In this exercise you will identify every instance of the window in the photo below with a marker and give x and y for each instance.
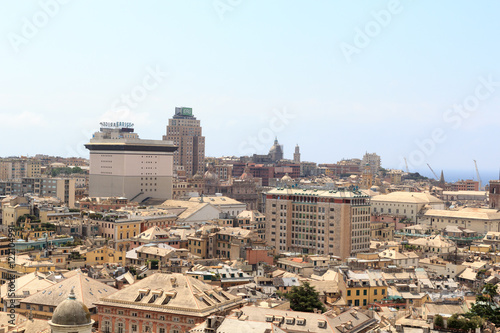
(374, 291)
(134, 328)
(120, 328)
(383, 291)
(356, 302)
(357, 292)
(134, 314)
(106, 327)
(348, 293)
(365, 292)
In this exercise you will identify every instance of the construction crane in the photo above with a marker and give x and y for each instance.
(478, 177)
(435, 175)
(406, 163)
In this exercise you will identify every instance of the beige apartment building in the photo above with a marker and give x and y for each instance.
(17, 168)
(318, 222)
(62, 188)
(406, 204)
(184, 131)
(122, 165)
(481, 220)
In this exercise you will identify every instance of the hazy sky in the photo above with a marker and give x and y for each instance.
(336, 77)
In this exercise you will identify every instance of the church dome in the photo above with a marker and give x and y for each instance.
(276, 151)
(275, 148)
(197, 176)
(286, 178)
(71, 312)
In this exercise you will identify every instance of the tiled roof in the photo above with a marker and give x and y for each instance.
(407, 197)
(87, 290)
(467, 213)
(172, 293)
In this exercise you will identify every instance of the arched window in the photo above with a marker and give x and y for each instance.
(106, 326)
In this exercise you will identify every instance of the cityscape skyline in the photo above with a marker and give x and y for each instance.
(402, 89)
(233, 166)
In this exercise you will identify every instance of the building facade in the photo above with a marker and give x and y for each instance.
(163, 303)
(480, 220)
(318, 222)
(62, 188)
(373, 160)
(407, 204)
(494, 194)
(360, 288)
(184, 131)
(122, 165)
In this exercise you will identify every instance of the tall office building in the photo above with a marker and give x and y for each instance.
(318, 222)
(184, 131)
(122, 165)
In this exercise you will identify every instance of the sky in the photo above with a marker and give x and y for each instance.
(405, 79)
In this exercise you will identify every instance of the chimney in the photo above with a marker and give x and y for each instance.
(211, 322)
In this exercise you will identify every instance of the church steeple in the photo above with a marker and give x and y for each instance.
(441, 179)
(296, 155)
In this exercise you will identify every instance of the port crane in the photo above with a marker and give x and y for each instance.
(435, 175)
(478, 177)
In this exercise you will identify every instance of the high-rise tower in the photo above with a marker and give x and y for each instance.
(185, 131)
(122, 165)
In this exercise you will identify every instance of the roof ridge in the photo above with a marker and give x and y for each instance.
(81, 286)
(191, 289)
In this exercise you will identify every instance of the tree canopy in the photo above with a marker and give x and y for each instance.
(304, 298)
(485, 306)
(66, 170)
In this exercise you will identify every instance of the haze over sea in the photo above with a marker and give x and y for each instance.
(454, 175)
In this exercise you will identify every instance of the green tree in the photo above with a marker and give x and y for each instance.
(438, 321)
(304, 298)
(77, 170)
(485, 306)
